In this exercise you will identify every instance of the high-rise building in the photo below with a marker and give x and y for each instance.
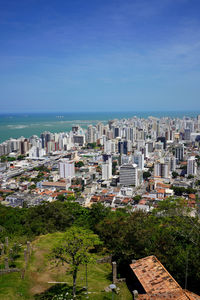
(179, 152)
(91, 134)
(172, 164)
(117, 132)
(159, 145)
(187, 134)
(66, 168)
(107, 167)
(79, 139)
(198, 122)
(128, 175)
(100, 128)
(163, 140)
(46, 137)
(36, 152)
(123, 147)
(150, 146)
(23, 146)
(191, 166)
(109, 146)
(138, 159)
(161, 169)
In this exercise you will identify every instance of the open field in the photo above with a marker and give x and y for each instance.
(41, 271)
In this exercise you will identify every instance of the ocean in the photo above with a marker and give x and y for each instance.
(28, 124)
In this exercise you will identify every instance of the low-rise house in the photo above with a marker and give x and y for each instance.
(54, 185)
(21, 200)
(145, 208)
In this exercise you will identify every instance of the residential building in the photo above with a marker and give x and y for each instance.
(128, 175)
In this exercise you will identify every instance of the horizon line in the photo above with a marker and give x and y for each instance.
(97, 111)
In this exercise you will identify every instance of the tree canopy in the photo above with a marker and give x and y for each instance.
(74, 249)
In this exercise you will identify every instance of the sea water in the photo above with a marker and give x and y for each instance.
(28, 124)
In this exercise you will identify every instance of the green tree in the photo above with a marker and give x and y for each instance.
(21, 157)
(74, 250)
(114, 167)
(61, 197)
(3, 158)
(11, 158)
(91, 145)
(79, 164)
(97, 213)
(71, 198)
(137, 198)
(174, 174)
(190, 176)
(32, 187)
(146, 175)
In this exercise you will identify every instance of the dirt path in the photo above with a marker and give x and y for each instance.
(42, 271)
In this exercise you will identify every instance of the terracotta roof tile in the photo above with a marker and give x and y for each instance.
(192, 296)
(160, 184)
(161, 191)
(157, 282)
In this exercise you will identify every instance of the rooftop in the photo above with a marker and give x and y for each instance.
(157, 282)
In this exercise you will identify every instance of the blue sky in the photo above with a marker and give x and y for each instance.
(99, 55)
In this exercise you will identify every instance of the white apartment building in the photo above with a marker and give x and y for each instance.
(107, 168)
(191, 166)
(66, 168)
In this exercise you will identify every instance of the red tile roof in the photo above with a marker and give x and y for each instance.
(6, 191)
(163, 185)
(142, 202)
(160, 191)
(157, 282)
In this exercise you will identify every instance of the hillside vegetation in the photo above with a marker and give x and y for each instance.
(168, 232)
(41, 272)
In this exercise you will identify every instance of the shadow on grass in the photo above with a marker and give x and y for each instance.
(60, 292)
(109, 276)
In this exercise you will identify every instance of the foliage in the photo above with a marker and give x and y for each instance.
(137, 198)
(91, 145)
(71, 198)
(74, 250)
(174, 174)
(44, 218)
(184, 167)
(114, 167)
(146, 175)
(5, 158)
(97, 213)
(198, 160)
(168, 232)
(179, 191)
(61, 197)
(21, 157)
(190, 176)
(42, 169)
(32, 187)
(79, 164)
(172, 207)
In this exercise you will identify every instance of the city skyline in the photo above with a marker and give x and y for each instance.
(99, 56)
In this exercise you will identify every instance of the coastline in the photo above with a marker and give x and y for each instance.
(15, 125)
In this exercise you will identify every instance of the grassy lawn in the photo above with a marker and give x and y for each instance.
(41, 272)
